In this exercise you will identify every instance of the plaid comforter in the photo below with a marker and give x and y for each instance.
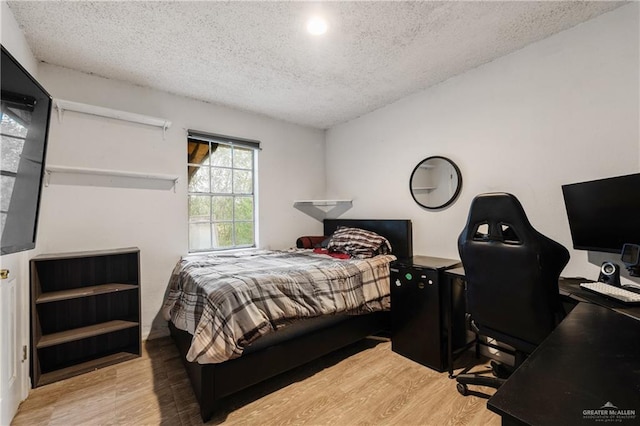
(227, 301)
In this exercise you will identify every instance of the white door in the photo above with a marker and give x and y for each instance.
(11, 368)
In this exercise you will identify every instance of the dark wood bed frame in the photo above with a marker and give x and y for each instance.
(286, 350)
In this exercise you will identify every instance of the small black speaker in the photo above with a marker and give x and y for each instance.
(631, 258)
(609, 274)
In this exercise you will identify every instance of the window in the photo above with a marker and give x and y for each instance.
(222, 182)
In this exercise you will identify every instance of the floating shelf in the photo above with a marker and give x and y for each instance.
(323, 202)
(323, 209)
(62, 105)
(109, 178)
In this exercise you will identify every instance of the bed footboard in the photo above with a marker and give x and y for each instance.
(213, 382)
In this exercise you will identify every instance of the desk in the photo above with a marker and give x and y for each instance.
(591, 359)
(570, 289)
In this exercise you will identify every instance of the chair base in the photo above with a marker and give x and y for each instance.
(475, 379)
(501, 373)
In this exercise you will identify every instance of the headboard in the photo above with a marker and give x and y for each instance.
(397, 231)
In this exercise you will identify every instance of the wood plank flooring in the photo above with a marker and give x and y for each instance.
(364, 384)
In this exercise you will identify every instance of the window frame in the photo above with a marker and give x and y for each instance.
(232, 143)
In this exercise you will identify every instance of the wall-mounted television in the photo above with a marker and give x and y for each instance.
(26, 108)
(604, 214)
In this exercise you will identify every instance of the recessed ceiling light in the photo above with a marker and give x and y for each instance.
(317, 25)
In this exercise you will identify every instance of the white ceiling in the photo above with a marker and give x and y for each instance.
(257, 56)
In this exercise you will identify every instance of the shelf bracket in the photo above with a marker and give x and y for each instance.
(323, 209)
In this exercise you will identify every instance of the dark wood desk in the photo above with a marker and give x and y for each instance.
(590, 360)
(570, 288)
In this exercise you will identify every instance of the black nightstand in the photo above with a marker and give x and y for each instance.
(421, 314)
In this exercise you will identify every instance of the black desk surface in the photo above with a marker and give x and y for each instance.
(591, 359)
(570, 287)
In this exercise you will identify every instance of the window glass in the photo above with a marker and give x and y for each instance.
(243, 158)
(242, 182)
(221, 195)
(244, 208)
(244, 232)
(198, 153)
(199, 179)
(200, 236)
(221, 180)
(223, 236)
(222, 208)
(199, 208)
(221, 156)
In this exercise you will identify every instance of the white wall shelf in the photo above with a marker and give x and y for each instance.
(114, 178)
(323, 209)
(62, 105)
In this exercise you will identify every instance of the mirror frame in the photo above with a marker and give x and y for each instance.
(453, 198)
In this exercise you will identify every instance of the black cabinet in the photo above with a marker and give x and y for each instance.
(421, 310)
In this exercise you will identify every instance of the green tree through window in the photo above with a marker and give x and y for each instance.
(221, 173)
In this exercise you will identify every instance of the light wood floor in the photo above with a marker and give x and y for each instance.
(364, 384)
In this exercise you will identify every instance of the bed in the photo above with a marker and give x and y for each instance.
(295, 344)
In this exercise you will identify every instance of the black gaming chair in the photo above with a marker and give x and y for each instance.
(512, 274)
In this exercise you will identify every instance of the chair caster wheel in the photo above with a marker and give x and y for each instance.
(462, 389)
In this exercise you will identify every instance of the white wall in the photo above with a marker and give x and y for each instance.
(74, 218)
(562, 110)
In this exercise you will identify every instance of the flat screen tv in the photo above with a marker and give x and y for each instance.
(26, 109)
(604, 214)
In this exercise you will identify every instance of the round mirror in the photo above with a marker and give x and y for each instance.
(435, 182)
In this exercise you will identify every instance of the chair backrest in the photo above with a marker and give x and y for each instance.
(512, 272)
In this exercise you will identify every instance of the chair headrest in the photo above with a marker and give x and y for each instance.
(502, 213)
(497, 206)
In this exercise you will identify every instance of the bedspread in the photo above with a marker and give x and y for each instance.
(227, 301)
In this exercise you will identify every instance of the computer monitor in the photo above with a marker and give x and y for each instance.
(604, 214)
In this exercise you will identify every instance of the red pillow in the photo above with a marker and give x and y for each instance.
(309, 242)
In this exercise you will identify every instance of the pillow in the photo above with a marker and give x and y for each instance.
(308, 242)
(358, 242)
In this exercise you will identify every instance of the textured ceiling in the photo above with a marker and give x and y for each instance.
(257, 56)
